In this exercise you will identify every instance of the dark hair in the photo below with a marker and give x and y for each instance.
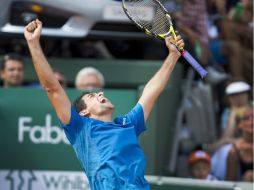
(79, 104)
(11, 56)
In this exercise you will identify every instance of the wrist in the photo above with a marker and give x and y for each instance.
(33, 43)
(174, 55)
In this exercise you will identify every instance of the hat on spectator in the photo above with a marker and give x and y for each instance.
(199, 156)
(237, 87)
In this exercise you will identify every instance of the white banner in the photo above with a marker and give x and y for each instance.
(42, 180)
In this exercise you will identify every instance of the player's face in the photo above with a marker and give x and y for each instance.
(97, 103)
(13, 73)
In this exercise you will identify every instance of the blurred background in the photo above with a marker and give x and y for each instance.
(200, 133)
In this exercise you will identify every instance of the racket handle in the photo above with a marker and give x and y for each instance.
(201, 71)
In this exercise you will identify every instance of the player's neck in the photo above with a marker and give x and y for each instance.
(105, 117)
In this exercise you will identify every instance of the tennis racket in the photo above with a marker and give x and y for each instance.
(153, 18)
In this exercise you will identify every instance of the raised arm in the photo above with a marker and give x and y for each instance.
(55, 92)
(158, 82)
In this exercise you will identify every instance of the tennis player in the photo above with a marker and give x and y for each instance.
(107, 149)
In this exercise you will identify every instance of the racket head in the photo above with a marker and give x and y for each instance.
(155, 20)
(158, 25)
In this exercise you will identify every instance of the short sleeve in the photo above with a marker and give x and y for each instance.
(136, 116)
(73, 126)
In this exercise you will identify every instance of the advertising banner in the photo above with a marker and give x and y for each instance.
(42, 180)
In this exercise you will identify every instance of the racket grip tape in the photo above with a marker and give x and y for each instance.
(201, 71)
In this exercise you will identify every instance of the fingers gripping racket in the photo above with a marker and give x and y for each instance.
(153, 18)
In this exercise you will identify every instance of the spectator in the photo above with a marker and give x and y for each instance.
(89, 78)
(234, 161)
(236, 27)
(193, 22)
(238, 96)
(199, 165)
(12, 70)
(240, 158)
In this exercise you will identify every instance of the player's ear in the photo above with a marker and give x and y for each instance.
(85, 113)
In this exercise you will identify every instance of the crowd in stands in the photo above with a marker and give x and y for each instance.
(220, 35)
(12, 75)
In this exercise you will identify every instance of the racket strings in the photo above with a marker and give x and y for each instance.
(158, 24)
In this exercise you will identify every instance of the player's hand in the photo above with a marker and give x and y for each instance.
(171, 43)
(33, 31)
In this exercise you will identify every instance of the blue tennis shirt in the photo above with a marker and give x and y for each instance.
(109, 152)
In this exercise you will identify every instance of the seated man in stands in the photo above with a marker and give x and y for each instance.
(12, 70)
(89, 78)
